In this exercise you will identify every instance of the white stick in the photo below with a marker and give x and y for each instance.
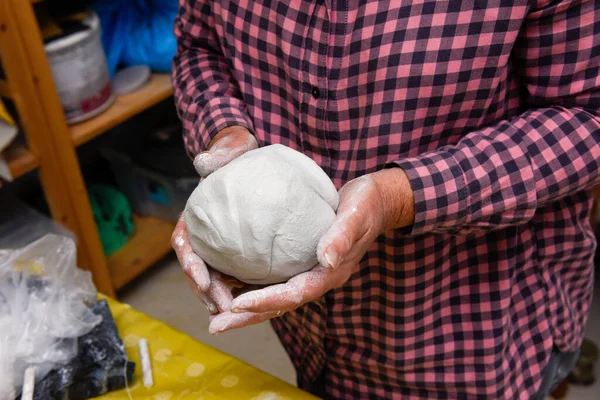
(146, 366)
(28, 384)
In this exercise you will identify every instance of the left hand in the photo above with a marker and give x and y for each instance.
(369, 206)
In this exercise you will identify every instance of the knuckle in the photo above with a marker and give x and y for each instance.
(186, 268)
(177, 240)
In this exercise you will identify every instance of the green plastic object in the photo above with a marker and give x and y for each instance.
(113, 216)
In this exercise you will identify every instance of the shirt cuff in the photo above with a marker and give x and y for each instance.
(440, 192)
(218, 114)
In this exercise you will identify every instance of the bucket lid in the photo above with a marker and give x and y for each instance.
(131, 79)
(91, 20)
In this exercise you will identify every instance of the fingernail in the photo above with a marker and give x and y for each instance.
(244, 302)
(217, 327)
(331, 258)
(211, 308)
(238, 305)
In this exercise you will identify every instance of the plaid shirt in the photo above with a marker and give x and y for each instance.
(492, 109)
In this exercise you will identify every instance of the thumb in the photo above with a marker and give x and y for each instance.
(337, 242)
(206, 163)
(351, 224)
(227, 145)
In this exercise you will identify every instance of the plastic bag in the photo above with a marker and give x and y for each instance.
(21, 224)
(44, 301)
(138, 32)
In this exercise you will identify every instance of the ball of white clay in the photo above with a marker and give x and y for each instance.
(260, 217)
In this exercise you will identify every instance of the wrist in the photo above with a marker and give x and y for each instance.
(396, 196)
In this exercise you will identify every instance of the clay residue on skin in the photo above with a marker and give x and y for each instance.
(222, 152)
(227, 320)
(190, 259)
(284, 297)
(179, 241)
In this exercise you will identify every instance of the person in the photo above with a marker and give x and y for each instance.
(464, 139)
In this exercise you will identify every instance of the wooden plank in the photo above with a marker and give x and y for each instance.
(157, 89)
(48, 136)
(20, 160)
(150, 242)
(4, 90)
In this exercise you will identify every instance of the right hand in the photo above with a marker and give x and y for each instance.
(210, 286)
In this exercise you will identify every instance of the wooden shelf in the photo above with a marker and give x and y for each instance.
(150, 242)
(157, 89)
(4, 90)
(20, 160)
(51, 146)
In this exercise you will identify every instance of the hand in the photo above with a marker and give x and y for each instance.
(227, 145)
(369, 205)
(211, 287)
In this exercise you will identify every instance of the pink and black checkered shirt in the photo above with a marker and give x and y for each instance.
(492, 109)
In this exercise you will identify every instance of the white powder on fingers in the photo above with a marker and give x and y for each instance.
(206, 163)
(260, 217)
(179, 241)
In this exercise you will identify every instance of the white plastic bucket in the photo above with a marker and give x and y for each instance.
(80, 72)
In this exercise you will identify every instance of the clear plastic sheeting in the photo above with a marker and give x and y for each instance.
(21, 224)
(44, 301)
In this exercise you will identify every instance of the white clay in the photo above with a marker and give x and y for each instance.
(260, 217)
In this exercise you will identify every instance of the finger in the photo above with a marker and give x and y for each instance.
(206, 163)
(287, 296)
(192, 265)
(348, 228)
(224, 151)
(208, 303)
(218, 297)
(339, 240)
(232, 282)
(220, 292)
(227, 321)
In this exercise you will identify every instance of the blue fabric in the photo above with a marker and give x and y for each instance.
(138, 32)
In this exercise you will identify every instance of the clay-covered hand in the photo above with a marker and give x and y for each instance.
(369, 205)
(227, 145)
(213, 288)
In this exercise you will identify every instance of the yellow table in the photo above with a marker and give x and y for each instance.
(184, 368)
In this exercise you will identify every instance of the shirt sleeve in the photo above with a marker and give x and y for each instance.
(206, 94)
(500, 175)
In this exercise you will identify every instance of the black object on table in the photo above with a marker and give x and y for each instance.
(100, 366)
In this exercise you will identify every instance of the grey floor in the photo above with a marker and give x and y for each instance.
(163, 294)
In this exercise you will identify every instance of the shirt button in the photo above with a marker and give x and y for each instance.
(315, 92)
